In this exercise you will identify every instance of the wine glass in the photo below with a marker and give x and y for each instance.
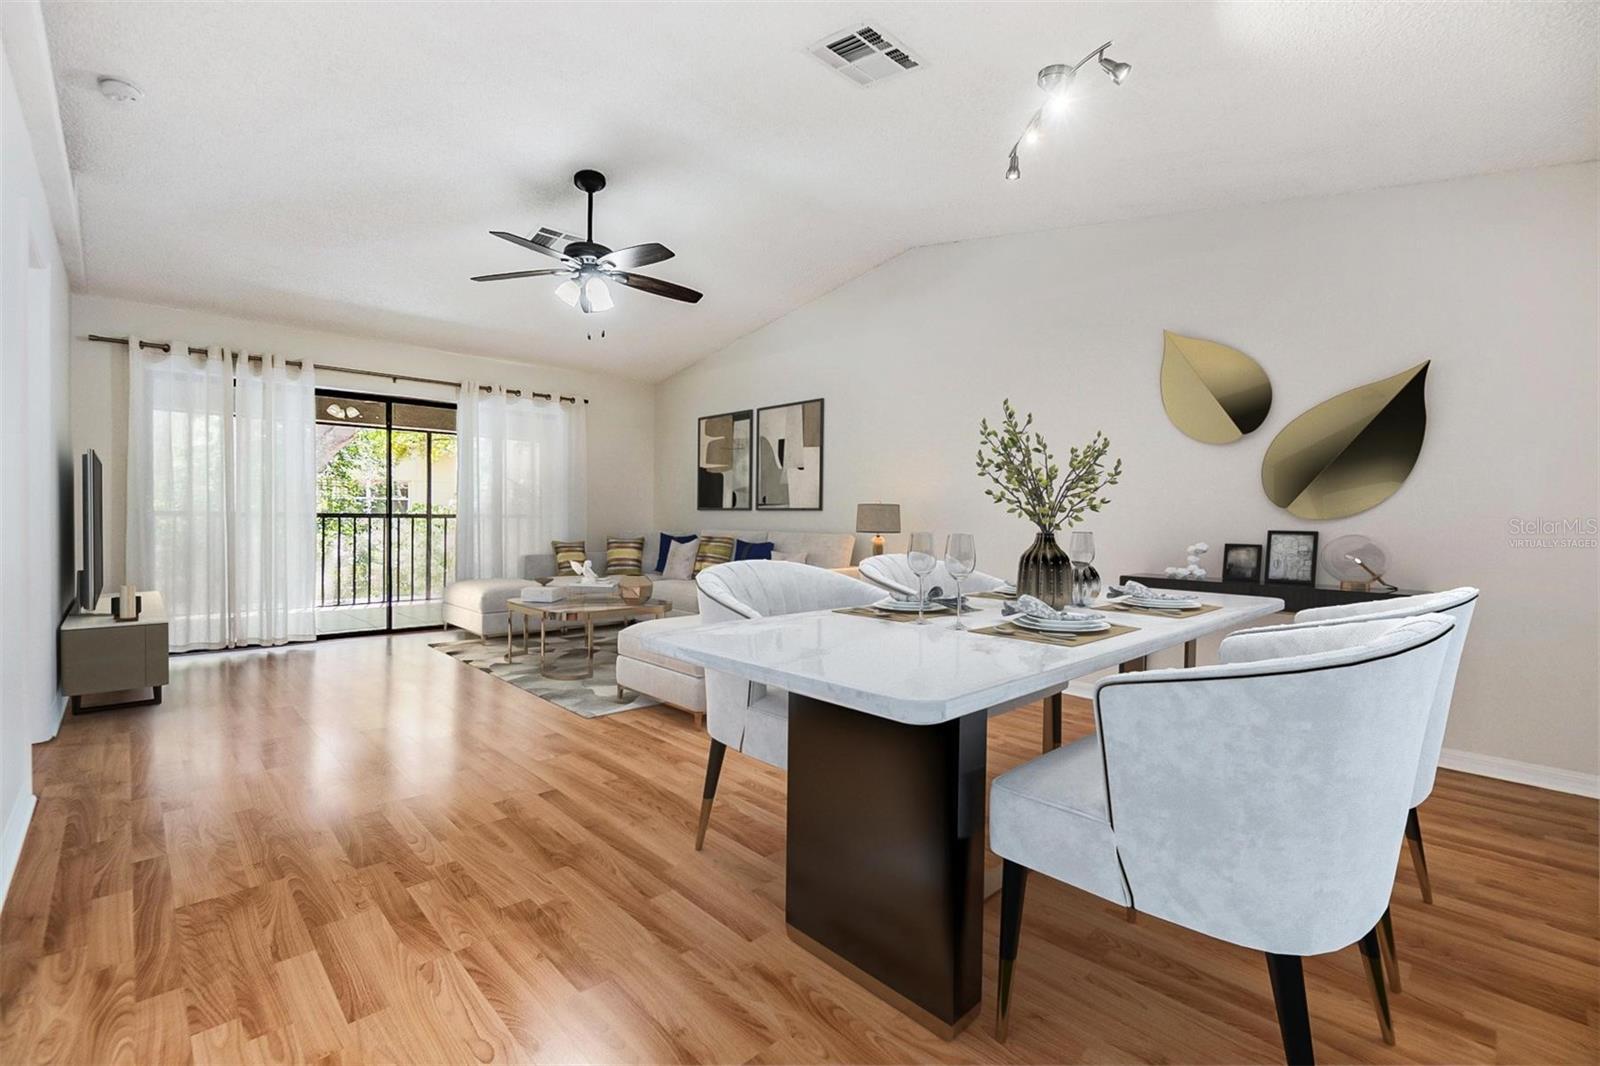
(961, 559)
(1080, 553)
(919, 557)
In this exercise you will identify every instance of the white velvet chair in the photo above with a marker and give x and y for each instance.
(893, 574)
(741, 714)
(1261, 802)
(1458, 603)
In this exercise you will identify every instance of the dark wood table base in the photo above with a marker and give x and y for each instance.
(885, 855)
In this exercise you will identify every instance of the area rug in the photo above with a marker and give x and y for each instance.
(593, 697)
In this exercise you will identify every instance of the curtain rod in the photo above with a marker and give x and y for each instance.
(162, 346)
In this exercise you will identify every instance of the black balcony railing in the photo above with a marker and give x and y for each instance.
(354, 552)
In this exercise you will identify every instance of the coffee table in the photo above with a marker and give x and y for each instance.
(589, 612)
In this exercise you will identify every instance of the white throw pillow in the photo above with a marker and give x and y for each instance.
(789, 557)
(680, 560)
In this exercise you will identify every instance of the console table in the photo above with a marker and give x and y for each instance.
(99, 654)
(1294, 597)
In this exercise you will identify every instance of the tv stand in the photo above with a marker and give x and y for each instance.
(99, 654)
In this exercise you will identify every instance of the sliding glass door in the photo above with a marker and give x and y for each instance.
(386, 508)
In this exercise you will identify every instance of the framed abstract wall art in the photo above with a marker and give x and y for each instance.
(788, 458)
(722, 462)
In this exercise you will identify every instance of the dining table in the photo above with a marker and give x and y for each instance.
(887, 755)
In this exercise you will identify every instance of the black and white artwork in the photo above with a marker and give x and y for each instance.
(723, 462)
(789, 457)
(1241, 562)
(1292, 557)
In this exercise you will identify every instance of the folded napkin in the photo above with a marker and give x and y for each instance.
(935, 592)
(1037, 608)
(1145, 592)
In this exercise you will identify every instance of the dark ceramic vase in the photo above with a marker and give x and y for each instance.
(1044, 571)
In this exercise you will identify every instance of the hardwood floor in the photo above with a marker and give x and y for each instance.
(363, 851)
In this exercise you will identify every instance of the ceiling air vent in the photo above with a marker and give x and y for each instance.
(864, 55)
(553, 239)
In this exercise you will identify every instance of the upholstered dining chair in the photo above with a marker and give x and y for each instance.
(1458, 603)
(893, 574)
(1262, 803)
(741, 714)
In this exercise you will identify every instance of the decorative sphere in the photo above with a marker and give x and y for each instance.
(1340, 557)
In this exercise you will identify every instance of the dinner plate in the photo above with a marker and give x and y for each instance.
(1045, 625)
(909, 606)
(1165, 605)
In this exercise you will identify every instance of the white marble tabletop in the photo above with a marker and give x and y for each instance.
(928, 674)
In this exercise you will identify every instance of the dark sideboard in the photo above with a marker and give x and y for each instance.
(1294, 597)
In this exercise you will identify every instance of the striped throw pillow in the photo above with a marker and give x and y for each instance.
(624, 555)
(713, 550)
(568, 552)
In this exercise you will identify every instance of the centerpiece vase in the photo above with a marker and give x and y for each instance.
(1044, 571)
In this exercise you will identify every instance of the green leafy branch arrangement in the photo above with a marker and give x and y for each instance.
(1029, 482)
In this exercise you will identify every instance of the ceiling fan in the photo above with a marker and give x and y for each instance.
(587, 266)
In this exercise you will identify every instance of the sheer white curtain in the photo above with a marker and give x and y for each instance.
(221, 495)
(273, 551)
(522, 479)
(179, 439)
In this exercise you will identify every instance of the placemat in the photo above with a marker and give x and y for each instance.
(1156, 612)
(892, 616)
(1059, 640)
(991, 595)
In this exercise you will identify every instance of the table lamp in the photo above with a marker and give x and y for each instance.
(877, 519)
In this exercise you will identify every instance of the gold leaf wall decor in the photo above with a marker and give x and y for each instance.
(1349, 453)
(1212, 392)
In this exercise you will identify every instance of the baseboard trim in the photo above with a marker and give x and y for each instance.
(61, 716)
(1554, 778)
(11, 841)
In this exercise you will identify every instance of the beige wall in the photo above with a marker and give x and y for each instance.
(621, 412)
(1492, 278)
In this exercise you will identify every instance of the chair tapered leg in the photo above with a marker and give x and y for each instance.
(1289, 996)
(1371, 955)
(1418, 858)
(1013, 885)
(1391, 958)
(713, 771)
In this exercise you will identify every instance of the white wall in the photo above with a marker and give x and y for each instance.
(1493, 278)
(36, 558)
(621, 412)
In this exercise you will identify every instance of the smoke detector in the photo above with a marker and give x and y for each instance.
(865, 55)
(119, 90)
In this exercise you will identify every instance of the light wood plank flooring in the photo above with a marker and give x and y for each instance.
(362, 851)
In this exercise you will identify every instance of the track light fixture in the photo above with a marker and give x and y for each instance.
(1056, 79)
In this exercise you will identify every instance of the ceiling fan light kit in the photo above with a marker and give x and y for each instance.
(586, 266)
(1056, 81)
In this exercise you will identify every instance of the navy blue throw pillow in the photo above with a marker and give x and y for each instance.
(666, 546)
(744, 549)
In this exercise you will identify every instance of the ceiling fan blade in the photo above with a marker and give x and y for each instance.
(637, 255)
(656, 287)
(521, 274)
(523, 242)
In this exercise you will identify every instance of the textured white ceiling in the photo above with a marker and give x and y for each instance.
(340, 164)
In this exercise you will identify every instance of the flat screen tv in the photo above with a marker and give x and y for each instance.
(92, 576)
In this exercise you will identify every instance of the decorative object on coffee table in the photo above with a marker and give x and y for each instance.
(1349, 453)
(1292, 556)
(789, 457)
(1241, 562)
(634, 589)
(1192, 567)
(1030, 483)
(722, 479)
(877, 519)
(1213, 393)
(1357, 562)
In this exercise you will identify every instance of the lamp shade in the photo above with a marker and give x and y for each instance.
(877, 518)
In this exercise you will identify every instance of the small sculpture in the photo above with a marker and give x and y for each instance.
(1194, 571)
(586, 574)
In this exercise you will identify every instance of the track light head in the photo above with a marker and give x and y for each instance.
(1014, 171)
(1118, 71)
